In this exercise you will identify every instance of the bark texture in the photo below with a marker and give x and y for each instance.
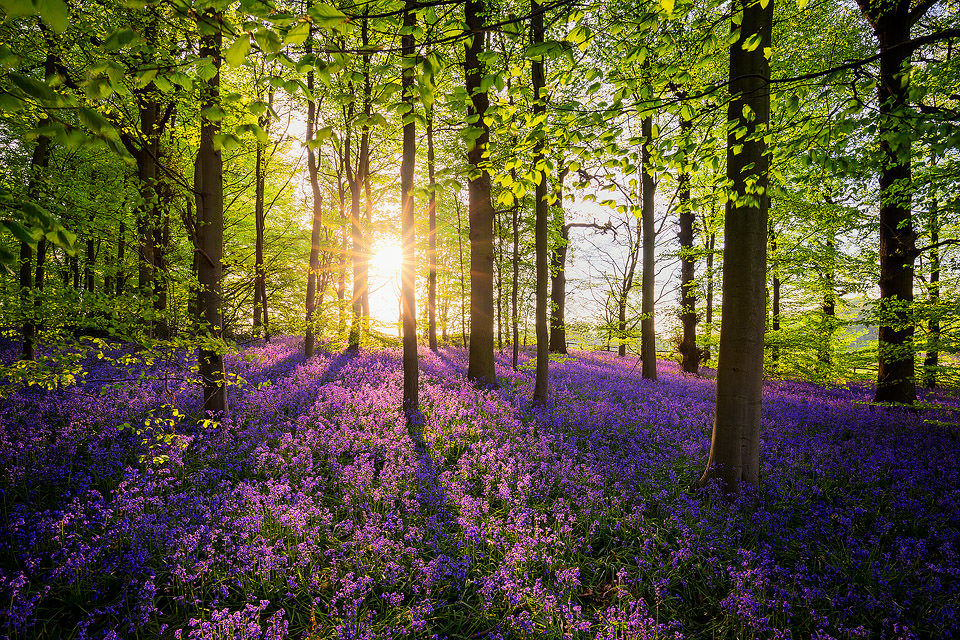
(891, 22)
(734, 448)
(209, 187)
(541, 386)
(648, 331)
(411, 401)
(480, 209)
(431, 240)
(689, 352)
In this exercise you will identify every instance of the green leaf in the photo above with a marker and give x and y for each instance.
(161, 83)
(225, 141)
(238, 51)
(22, 233)
(119, 39)
(62, 238)
(182, 80)
(667, 6)
(97, 123)
(268, 40)
(752, 42)
(34, 89)
(55, 13)
(35, 214)
(538, 50)
(326, 17)
(487, 82)
(257, 132)
(98, 88)
(10, 104)
(206, 69)
(213, 114)
(297, 34)
(145, 77)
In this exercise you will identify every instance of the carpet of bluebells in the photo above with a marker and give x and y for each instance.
(313, 511)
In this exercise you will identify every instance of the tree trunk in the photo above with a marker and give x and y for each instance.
(260, 276)
(708, 313)
(121, 258)
(498, 262)
(480, 213)
(463, 293)
(411, 402)
(626, 286)
(146, 174)
(558, 286)
(648, 333)
(309, 341)
(891, 22)
(931, 360)
(734, 448)
(622, 323)
(558, 274)
(91, 259)
(775, 307)
(342, 277)
(210, 228)
(829, 307)
(689, 352)
(363, 170)
(515, 287)
(30, 287)
(432, 240)
(541, 388)
(356, 235)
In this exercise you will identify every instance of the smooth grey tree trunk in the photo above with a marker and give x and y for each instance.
(735, 444)
(648, 332)
(480, 366)
(209, 187)
(411, 401)
(541, 386)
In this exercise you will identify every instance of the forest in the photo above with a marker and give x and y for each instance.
(479, 319)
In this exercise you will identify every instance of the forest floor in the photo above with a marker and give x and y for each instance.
(312, 511)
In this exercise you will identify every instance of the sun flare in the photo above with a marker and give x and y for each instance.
(386, 260)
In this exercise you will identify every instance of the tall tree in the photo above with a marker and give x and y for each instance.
(411, 402)
(260, 317)
(689, 353)
(891, 21)
(313, 275)
(735, 443)
(775, 287)
(30, 287)
(480, 367)
(209, 188)
(431, 238)
(648, 335)
(541, 388)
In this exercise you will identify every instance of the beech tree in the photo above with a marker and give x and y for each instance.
(209, 189)
(891, 22)
(480, 211)
(735, 443)
(541, 389)
(411, 403)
